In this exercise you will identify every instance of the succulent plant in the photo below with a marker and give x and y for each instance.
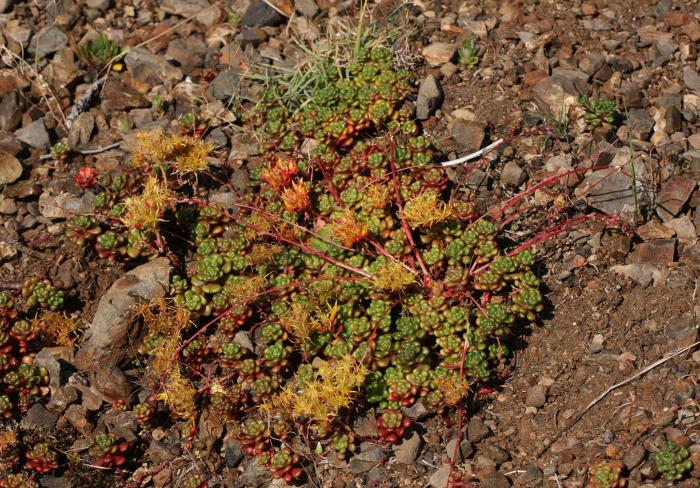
(606, 474)
(108, 450)
(99, 51)
(600, 112)
(42, 458)
(391, 426)
(673, 461)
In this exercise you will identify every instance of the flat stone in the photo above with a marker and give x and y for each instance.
(673, 196)
(640, 122)
(555, 96)
(407, 451)
(440, 478)
(610, 192)
(118, 97)
(559, 163)
(495, 480)
(439, 53)
(34, 135)
(654, 230)
(10, 169)
(38, 417)
(691, 79)
(659, 251)
(260, 14)
(81, 130)
(64, 205)
(477, 429)
(469, 136)
(644, 274)
(76, 415)
(184, 8)
(10, 112)
(49, 40)
(307, 8)
(682, 329)
(465, 451)
(140, 57)
(684, 228)
(429, 97)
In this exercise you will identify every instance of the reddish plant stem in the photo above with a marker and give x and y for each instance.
(460, 410)
(404, 224)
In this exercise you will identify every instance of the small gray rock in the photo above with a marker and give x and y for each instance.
(37, 417)
(429, 97)
(81, 130)
(440, 478)
(477, 429)
(34, 135)
(513, 174)
(226, 85)
(532, 474)
(64, 205)
(260, 14)
(536, 396)
(495, 480)
(496, 454)
(407, 451)
(49, 40)
(10, 112)
(100, 5)
(469, 136)
(465, 450)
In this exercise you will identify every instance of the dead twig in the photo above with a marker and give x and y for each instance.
(597, 399)
(473, 155)
(84, 102)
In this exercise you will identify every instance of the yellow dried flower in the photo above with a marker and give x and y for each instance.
(425, 210)
(348, 228)
(192, 156)
(262, 253)
(321, 399)
(296, 197)
(392, 277)
(145, 211)
(453, 389)
(59, 327)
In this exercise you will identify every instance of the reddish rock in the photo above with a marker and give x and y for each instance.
(659, 251)
(531, 78)
(673, 196)
(675, 18)
(654, 230)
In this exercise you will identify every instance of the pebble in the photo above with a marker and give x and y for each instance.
(469, 136)
(38, 417)
(34, 134)
(49, 40)
(476, 429)
(439, 53)
(512, 174)
(536, 396)
(407, 451)
(465, 450)
(597, 344)
(260, 14)
(429, 97)
(10, 171)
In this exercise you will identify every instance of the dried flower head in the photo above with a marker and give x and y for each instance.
(392, 277)
(296, 197)
(453, 389)
(59, 327)
(146, 210)
(348, 228)
(425, 210)
(280, 173)
(320, 400)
